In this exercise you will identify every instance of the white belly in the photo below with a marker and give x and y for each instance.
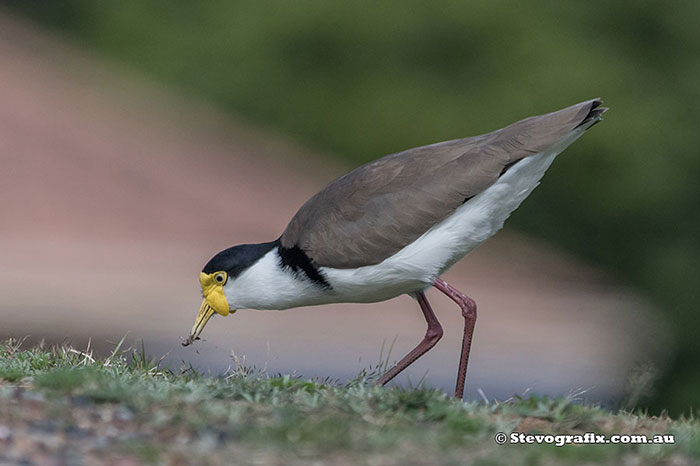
(416, 266)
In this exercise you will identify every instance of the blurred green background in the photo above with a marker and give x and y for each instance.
(362, 79)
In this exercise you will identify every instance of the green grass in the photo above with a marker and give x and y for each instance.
(58, 400)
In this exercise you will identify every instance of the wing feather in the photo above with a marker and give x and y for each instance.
(377, 209)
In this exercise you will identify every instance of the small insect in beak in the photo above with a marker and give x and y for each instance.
(205, 313)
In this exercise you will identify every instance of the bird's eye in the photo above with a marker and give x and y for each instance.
(220, 278)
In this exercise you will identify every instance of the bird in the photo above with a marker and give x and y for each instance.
(394, 226)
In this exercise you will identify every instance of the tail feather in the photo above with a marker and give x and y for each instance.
(594, 114)
(539, 133)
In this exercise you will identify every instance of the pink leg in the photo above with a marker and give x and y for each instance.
(432, 336)
(468, 307)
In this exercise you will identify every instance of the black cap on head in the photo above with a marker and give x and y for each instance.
(238, 258)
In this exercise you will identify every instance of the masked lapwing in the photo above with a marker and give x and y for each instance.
(393, 226)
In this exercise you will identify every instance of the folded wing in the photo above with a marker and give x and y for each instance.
(379, 208)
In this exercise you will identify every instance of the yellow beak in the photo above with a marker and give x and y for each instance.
(203, 316)
(214, 301)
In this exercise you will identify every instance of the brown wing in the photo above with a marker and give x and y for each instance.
(377, 209)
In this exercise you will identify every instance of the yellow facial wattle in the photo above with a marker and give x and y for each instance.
(214, 301)
(213, 290)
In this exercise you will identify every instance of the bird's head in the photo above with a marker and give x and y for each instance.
(218, 279)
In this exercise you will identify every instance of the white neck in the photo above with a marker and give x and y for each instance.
(267, 285)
